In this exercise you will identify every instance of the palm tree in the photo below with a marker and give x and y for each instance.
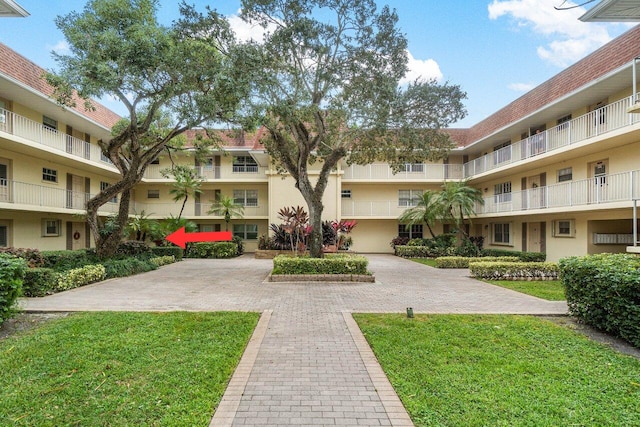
(227, 207)
(458, 201)
(187, 182)
(427, 211)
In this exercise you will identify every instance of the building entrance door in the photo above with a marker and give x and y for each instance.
(534, 240)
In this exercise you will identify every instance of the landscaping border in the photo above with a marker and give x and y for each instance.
(355, 278)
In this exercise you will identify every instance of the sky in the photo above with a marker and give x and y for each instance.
(495, 50)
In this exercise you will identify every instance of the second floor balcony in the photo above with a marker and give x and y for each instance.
(215, 173)
(411, 172)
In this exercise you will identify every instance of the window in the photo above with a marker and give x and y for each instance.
(153, 194)
(565, 174)
(208, 227)
(502, 233)
(563, 122)
(51, 228)
(49, 123)
(244, 164)
(50, 175)
(246, 231)
(4, 236)
(345, 194)
(245, 197)
(502, 152)
(502, 192)
(564, 228)
(409, 197)
(413, 167)
(412, 232)
(155, 161)
(104, 186)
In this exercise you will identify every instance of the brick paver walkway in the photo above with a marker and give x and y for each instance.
(307, 363)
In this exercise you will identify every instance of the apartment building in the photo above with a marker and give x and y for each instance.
(558, 168)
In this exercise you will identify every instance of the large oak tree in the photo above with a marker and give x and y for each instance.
(169, 78)
(327, 87)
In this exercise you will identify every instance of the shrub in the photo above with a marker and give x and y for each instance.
(213, 250)
(67, 260)
(11, 275)
(337, 264)
(80, 277)
(463, 262)
(133, 248)
(399, 241)
(39, 281)
(162, 260)
(174, 251)
(498, 270)
(524, 256)
(604, 291)
(33, 257)
(266, 243)
(468, 249)
(126, 267)
(413, 251)
(239, 243)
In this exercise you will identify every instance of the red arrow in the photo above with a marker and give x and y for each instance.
(181, 238)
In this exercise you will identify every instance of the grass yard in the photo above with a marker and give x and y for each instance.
(551, 290)
(431, 262)
(499, 370)
(146, 369)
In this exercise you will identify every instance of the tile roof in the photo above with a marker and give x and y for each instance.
(23, 70)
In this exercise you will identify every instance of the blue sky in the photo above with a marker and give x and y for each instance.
(496, 50)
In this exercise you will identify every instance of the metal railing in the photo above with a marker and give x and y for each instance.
(605, 119)
(421, 171)
(213, 173)
(18, 125)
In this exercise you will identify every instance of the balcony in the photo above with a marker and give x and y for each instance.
(598, 122)
(367, 208)
(620, 187)
(412, 172)
(215, 173)
(191, 209)
(22, 127)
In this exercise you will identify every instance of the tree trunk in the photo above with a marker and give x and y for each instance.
(315, 218)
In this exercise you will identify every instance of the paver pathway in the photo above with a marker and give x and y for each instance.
(307, 363)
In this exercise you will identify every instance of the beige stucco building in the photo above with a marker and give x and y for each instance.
(559, 169)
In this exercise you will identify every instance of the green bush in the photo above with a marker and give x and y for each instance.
(240, 243)
(11, 275)
(80, 277)
(524, 256)
(175, 251)
(413, 251)
(162, 260)
(514, 270)
(603, 290)
(338, 264)
(39, 282)
(66, 260)
(126, 267)
(463, 262)
(134, 248)
(33, 257)
(213, 250)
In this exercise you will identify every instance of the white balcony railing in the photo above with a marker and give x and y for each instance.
(606, 119)
(420, 171)
(191, 209)
(368, 208)
(17, 125)
(213, 173)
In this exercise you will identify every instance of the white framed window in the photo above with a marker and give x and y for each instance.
(245, 197)
(49, 123)
(208, 227)
(246, 231)
(49, 175)
(501, 233)
(565, 174)
(413, 167)
(104, 186)
(153, 194)
(245, 164)
(410, 231)
(345, 194)
(51, 227)
(502, 152)
(408, 198)
(502, 192)
(564, 228)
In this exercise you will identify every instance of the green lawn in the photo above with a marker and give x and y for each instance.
(499, 370)
(431, 262)
(551, 290)
(143, 369)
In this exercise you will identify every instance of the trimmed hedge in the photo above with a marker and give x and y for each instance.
(514, 270)
(175, 251)
(126, 267)
(66, 260)
(603, 290)
(33, 257)
(39, 282)
(162, 260)
(463, 262)
(11, 274)
(80, 277)
(213, 250)
(524, 256)
(338, 264)
(413, 251)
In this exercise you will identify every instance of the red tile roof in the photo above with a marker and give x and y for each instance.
(20, 68)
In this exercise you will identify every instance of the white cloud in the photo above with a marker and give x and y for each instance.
(61, 48)
(424, 69)
(521, 87)
(569, 38)
(246, 31)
